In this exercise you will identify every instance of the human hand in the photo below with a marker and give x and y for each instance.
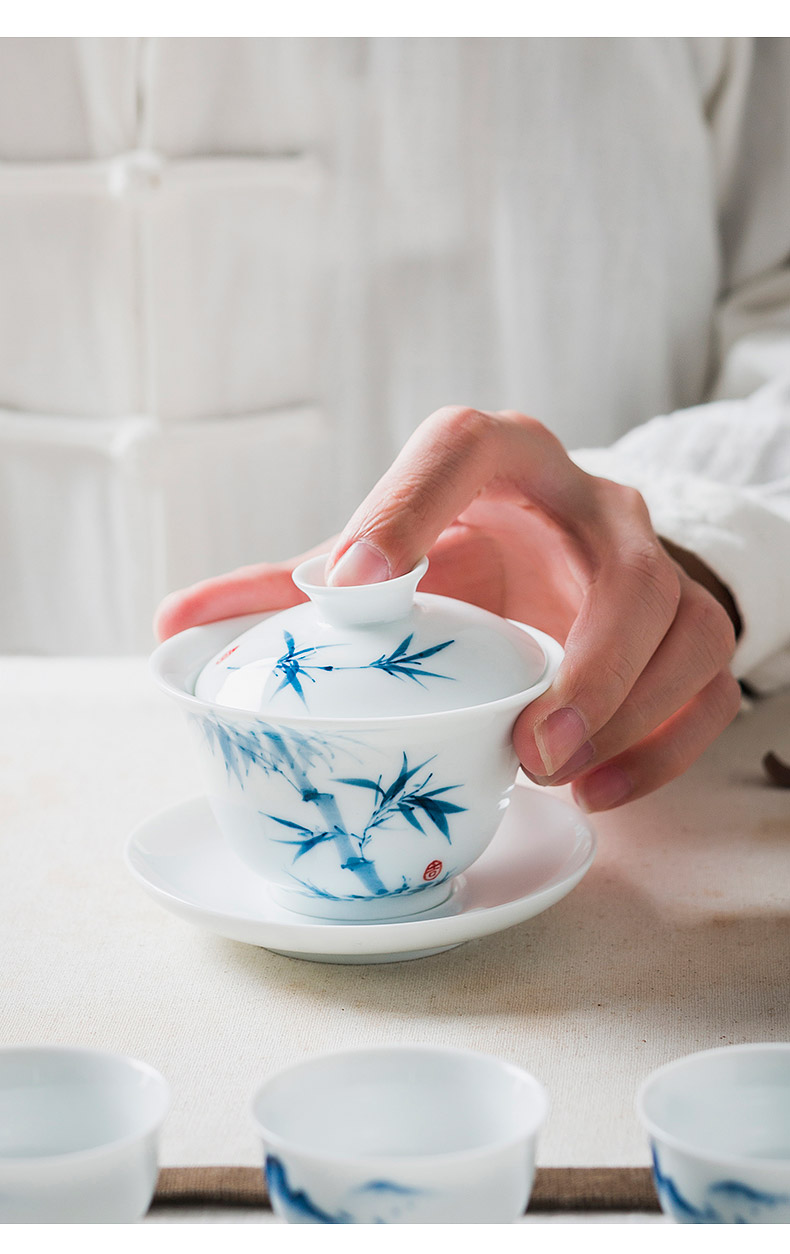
(512, 524)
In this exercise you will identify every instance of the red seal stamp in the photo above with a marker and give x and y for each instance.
(432, 870)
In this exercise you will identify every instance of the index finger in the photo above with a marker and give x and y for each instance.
(449, 460)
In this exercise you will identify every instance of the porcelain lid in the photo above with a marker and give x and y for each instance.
(379, 650)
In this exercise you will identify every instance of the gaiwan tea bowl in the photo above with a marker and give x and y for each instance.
(357, 748)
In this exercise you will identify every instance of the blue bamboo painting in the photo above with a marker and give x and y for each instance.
(404, 665)
(415, 802)
(726, 1201)
(281, 751)
(294, 666)
(298, 1206)
(293, 755)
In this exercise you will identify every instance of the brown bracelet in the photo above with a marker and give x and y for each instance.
(777, 770)
(703, 574)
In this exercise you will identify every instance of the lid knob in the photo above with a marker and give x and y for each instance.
(358, 604)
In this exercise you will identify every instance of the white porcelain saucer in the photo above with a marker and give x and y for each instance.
(541, 851)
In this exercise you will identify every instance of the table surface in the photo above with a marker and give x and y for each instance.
(676, 940)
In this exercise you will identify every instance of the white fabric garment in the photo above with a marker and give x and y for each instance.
(236, 274)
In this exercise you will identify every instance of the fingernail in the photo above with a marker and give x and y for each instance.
(602, 789)
(361, 563)
(558, 737)
(575, 762)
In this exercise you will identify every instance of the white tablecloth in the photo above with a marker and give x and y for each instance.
(678, 939)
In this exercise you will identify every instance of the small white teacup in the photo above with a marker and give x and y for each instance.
(719, 1128)
(400, 1135)
(78, 1135)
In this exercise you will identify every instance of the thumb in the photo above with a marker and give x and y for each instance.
(362, 562)
(439, 471)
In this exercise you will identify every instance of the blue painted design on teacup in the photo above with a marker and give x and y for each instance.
(298, 1207)
(295, 1204)
(725, 1201)
(407, 797)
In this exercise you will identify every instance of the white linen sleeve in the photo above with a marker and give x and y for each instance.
(716, 477)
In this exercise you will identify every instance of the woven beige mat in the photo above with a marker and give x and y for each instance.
(555, 1189)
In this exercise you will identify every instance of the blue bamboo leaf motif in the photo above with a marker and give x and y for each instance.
(397, 799)
(363, 783)
(401, 780)
(437, 811)
(288, 753)
(405, 665)
(291, 666)
(294, 665)
(310, 838)
(410, 817)
(292, 755)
